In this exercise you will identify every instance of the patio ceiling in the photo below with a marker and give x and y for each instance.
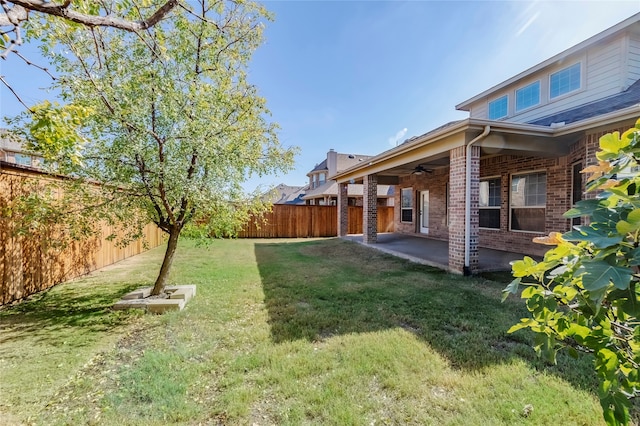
(431, 151)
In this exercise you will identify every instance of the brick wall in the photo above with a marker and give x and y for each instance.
(558, 200)
(559, 197)
(457, 211)
(436, 184)
(343, 210)
(370, 209)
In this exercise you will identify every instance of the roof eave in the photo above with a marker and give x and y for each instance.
(462, 126)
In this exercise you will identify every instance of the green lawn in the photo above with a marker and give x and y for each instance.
(284, 332)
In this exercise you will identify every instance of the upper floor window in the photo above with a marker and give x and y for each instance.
(498, 108)
(23, 160)
(564, 81)
(322, 178)
(528, 96)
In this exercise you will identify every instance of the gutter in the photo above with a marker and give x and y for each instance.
(467, 201)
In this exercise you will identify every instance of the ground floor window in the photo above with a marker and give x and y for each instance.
(528, 197)
(406, 205)
(489, 203)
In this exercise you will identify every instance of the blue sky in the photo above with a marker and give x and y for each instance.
(359, 76)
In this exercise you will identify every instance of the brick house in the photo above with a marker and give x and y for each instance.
(508, 172)
(323, 190)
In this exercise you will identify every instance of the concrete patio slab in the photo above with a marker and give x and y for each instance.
(428, 251)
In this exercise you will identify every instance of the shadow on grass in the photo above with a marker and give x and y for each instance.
(63, 309)
(315, 290)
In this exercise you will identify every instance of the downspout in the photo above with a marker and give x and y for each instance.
(467, 201)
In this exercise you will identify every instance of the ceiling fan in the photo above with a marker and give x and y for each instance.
(420, 169)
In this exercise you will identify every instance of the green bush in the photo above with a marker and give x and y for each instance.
(583, 296)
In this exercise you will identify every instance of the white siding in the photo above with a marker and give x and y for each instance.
(633, 60)
(480, 110)
(602, 72)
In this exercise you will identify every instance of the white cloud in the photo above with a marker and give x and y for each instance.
(527, 24)
(398, 137)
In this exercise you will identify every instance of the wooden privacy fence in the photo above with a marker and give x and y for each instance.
(29, 264)
(295, 221)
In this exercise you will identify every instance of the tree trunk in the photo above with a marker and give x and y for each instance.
(161, 281)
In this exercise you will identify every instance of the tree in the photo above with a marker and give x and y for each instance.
(172, 127)
(584, 294)
(124, 15)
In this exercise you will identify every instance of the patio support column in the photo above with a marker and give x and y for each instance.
(343, 209)
(370, 209)
(457, 190)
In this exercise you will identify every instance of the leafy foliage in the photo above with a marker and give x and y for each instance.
(584, 294)
(174, 127)
(53, 131)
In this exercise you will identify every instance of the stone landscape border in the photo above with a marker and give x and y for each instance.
(177, 298)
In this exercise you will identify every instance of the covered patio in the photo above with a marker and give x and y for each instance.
(428, 251)
(438, 179)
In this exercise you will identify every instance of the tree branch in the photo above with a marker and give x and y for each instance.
(63, 11)
(14, 93)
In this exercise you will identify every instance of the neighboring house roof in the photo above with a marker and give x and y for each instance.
(348, 160)
(338, 162)
(285, 194)
(319, 167)
(625, 99)
(330, 189)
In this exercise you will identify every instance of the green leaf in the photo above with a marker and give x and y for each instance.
(545, 347)
(634, 217)
(524, 323)
(615, 410)
(583, 208)
(598, 275)
(578, 331)
(512, 288)
(524, 267)
(598, 238)
(626, 301)
(624, 227)
(612, 143)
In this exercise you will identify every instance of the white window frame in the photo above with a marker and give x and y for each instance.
(499, 206)
(576, 183)
(322, 178)
(561, 95)
(511, 206)
(506, 114)
(539, 83)
(402, 204)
